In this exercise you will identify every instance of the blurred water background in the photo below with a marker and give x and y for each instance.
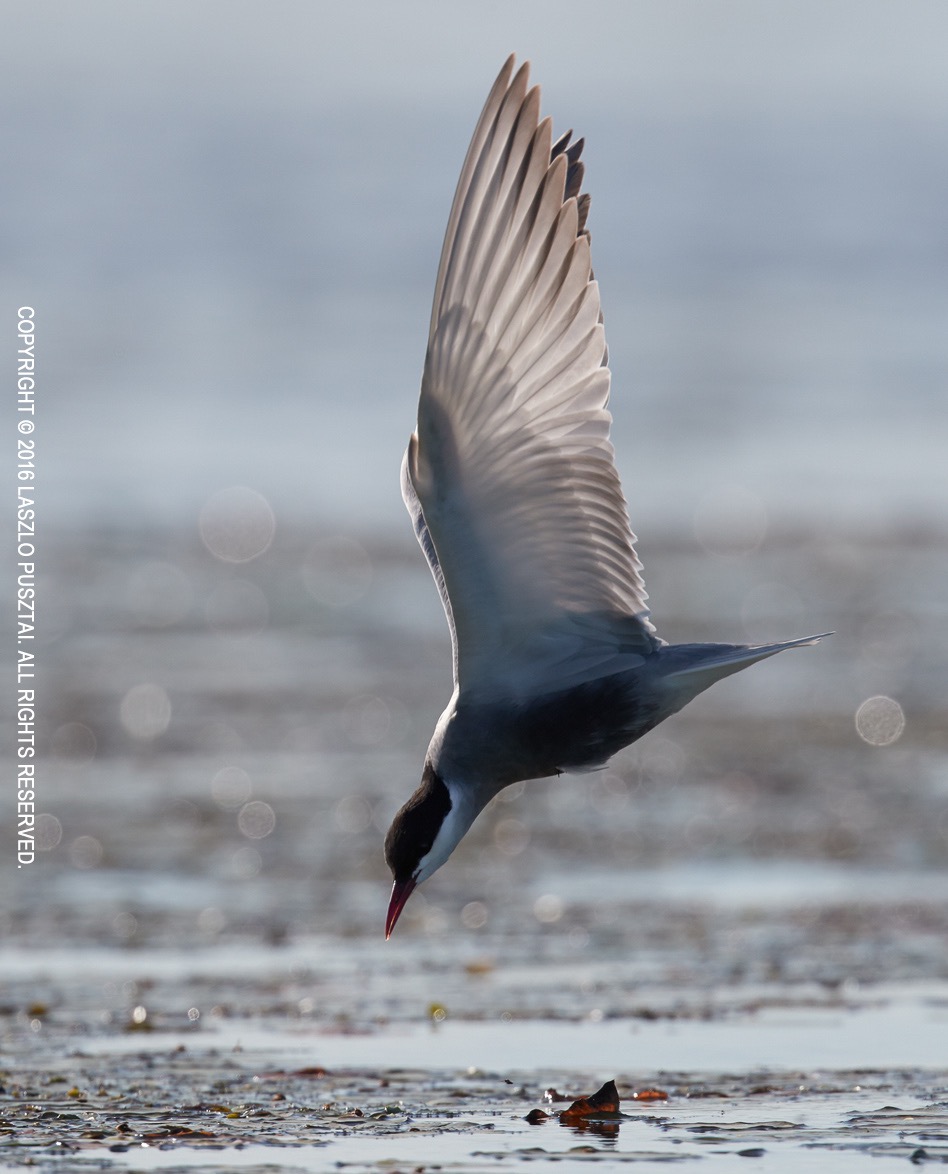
(228, 219)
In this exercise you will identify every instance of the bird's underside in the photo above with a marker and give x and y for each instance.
(511, 739)
(505, 738)
(511, 484)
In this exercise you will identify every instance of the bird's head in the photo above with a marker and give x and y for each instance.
(422, 837)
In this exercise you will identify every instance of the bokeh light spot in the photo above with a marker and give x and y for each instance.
(125, 926)
(256, 820)
(211, 921)
(74, 740)
(236, 524)
(661, 759)
(474, 915)
(880, 721)
(48, 831)
(548, 908)
(231, 788)
(512, 793)
(511, 837)
(145, 711)
(436, 921)
(85, 852)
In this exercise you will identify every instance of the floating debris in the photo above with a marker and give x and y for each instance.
(604, 1103)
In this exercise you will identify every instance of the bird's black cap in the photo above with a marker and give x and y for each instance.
(415, 827)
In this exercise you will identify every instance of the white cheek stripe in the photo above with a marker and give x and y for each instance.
(450, 834)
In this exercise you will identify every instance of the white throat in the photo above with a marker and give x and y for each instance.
(453, 829)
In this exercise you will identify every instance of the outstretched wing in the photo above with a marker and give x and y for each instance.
(510, 476)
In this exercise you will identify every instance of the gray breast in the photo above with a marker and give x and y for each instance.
(574, 729)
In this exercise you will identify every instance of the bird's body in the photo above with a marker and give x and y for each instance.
(512, 487)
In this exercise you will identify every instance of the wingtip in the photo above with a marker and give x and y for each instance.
(509, 67)
(801, 642)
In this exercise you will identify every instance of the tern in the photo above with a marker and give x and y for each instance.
(511, 483)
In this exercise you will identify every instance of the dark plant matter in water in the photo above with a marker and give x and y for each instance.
(202, 1107)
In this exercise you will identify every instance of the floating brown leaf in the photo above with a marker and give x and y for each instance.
(536, 1116)
(650, 1094)
(601, 1103)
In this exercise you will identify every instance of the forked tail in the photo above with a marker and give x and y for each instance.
(692, 668)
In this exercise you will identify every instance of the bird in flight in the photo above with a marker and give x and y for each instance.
(511, 483)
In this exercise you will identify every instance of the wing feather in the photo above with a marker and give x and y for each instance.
(510, 477)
